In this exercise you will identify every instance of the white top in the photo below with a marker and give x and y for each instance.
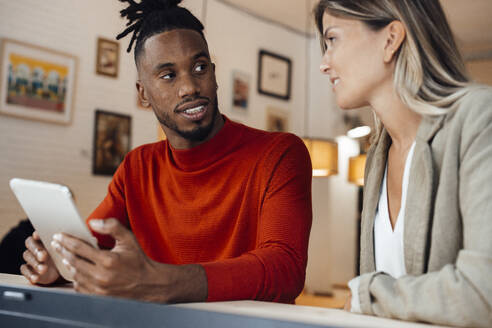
(388, 243)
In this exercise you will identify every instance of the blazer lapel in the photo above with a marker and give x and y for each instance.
(372, 186)
(420, 199)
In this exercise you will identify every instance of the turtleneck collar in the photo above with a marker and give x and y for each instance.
(207, 153)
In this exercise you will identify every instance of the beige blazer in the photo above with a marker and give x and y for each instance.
(448, 222)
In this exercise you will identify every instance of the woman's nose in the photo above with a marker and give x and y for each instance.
(325, 66)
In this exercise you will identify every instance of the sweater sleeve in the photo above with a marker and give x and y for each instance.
(275, 270)
(112, 206)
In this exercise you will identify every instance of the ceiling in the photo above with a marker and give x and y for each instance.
(469, 19)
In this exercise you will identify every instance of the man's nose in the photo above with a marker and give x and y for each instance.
(188, 87)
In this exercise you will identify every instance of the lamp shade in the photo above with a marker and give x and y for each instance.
(356, 168)
(324, 156)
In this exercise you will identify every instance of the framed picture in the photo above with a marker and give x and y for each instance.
(107, 60)
(36, 83)
(274, 75)
(240, 91)
(277, 120)
(112, 135)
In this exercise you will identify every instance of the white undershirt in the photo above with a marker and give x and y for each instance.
(388, 243)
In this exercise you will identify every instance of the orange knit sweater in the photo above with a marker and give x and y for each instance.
(239, 205)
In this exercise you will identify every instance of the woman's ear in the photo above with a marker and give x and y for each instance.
(395, 35)
(142, 95)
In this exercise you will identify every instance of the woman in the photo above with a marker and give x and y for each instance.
(426, 239)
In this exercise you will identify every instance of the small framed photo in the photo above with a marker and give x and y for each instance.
(240, 90)
(107, 60)
(36, 83)
(277, 120)
(274, 75)
(112, 135)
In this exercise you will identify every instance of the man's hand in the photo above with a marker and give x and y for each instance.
(39, 267)
(126, 271)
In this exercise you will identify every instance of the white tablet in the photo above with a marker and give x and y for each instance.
(51, 209)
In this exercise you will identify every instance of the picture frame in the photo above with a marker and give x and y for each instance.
(112, 141)
(274, 75)
(36, 83)
(277, 120)
(240, 91)
(107, 58)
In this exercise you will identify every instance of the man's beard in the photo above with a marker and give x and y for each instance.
(198, 133)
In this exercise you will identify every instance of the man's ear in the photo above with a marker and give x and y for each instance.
(142, 95)
(395, 35)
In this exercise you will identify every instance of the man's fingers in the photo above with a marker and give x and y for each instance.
(29, 273)
(37, 249)
(74, 246)
(77, 265)
(84, 284)
(35, 235)
(111, 227)
(31, 260)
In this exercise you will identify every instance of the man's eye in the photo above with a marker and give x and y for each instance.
(167, 76)
(200, 67)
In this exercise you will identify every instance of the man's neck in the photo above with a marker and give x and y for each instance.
(178, 142)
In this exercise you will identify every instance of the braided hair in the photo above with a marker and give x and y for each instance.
(150, 17)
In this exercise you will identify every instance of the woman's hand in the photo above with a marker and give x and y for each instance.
(348, 303)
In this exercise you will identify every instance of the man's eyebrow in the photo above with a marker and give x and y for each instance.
(201, 54)
(161, 66)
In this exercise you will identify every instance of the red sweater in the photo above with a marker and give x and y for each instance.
(239, 205)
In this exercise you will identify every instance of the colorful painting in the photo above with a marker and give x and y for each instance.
(36, 83)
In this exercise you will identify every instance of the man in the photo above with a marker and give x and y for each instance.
(219, 211)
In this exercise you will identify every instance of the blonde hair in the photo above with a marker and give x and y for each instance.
(430, 73)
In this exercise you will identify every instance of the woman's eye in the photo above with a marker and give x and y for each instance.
(329, 42)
